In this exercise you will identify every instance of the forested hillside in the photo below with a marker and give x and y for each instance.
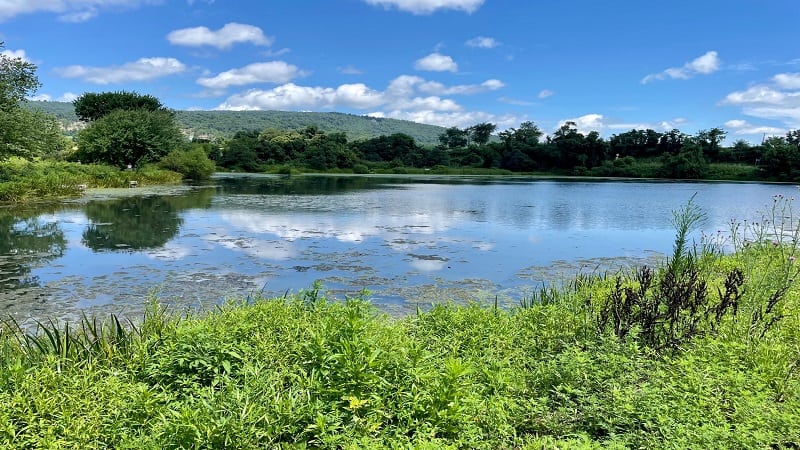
(227, 123)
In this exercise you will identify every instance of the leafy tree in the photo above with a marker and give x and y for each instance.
(129, 137)
(689, 163)
(710, 141)
(781, 159)
(454, 137)
(240, 152)
(24, 132)
(92, 106)
(29, 134)
(17, 81)
(480, 133)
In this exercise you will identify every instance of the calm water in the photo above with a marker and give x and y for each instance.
(407, 239)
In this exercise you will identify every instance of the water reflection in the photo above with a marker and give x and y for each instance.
(402, 237)
(28, 240)
(131, 223)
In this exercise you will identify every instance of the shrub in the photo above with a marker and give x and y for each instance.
(192, 164)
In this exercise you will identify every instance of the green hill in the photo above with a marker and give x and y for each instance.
(226, 123)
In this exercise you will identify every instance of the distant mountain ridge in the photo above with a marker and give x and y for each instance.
(227, 123)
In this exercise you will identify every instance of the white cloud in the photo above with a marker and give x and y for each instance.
(70, 10)
(15, 54)
(406, 85)
(291, 96)
(224, 38)
(141, 70)
(779, 101)
(738, 126)
(65, 97)
(787, 80)
(704, 65)
(266, 72)
(544, 93)
(605, 125)
(436, 62)
(482, 42)
(407, 97)
(759, 94)
(429, 6)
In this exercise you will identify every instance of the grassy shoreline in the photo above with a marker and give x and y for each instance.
(702, 352)
(24, 181)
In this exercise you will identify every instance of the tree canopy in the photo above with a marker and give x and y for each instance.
(92, 106)
(132, 137)
(23, 132)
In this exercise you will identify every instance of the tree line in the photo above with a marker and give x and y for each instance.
(635, 153)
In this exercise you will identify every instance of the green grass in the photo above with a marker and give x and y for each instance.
(22, 180)
(308, 372)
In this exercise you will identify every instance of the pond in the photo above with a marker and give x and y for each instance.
(409, 240)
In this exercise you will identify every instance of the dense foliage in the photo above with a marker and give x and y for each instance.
(24, 132)
(129, 137)
(92, 106)
(22, 180)
(576, 367)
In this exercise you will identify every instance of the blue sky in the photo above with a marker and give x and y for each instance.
(609, 66)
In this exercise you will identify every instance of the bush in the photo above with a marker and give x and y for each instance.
(192, 164)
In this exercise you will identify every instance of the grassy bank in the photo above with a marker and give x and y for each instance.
(702, 352)
(22, 180)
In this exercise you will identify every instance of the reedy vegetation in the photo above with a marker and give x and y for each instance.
(306, 372)
(22, 180)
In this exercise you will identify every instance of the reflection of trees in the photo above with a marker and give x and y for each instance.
(26, 241)
(327, 184)
(139, 222)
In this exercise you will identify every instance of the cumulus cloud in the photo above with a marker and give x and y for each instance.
(65, 97)
(69, 10)
(429, 6)
(224, 38)
(266, 72)
(291, 96)
(787, 80)
(141, 70)
(605, 125)
(703, 65)
(406, 85)
(436, 62)
(15, 54)
(407, 97)
(744, 127)
(482, 42)
(778, 101)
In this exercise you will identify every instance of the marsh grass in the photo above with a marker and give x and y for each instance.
(22, 180)
(306, 371)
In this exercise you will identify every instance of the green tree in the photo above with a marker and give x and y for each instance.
(17, 81)
(689, 163)
(192, 163)
(710, 141)
(480, 133)
(92, 106)
(129, 137)
(454, 137)
(781, 159)
(24, 132)
(29, 134)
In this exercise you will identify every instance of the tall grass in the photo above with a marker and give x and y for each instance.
(22, 180)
